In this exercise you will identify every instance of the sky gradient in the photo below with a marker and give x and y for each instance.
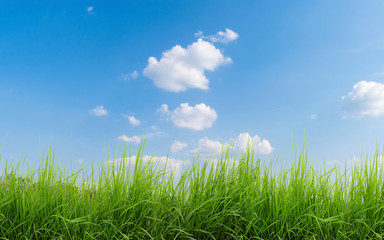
(191, 76)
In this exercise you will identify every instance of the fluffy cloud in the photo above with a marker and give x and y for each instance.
(133, 139)
(365, 99)
(261, 146)
(221, 37)
(99, 111)
(240, 143)
(177, 146)
(132, 120)
(129, 76)
(197, 117)
(182, 68)
(161, 162)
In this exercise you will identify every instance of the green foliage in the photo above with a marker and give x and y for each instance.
(223, 199)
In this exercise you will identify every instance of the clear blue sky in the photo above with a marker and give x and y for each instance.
(98, 74)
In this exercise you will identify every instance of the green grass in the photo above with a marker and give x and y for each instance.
(242, 199)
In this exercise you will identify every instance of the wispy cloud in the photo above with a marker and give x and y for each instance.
(79, 161)
(178, 146)
(99, 111)
(313, 116)
(129, 76)
(90, 9)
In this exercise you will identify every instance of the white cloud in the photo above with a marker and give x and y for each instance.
(79, 161)
(132, 120)
(197, 117)
(163, 108)
(261, 146)
(365, 99)
(177, 146)
(129, 76)
(240, 143)
(133, 139)
(182, 68)
(208, 146)
(161, 162)
(90, 9)
(221, 37)
(98, 111)
(313, 116)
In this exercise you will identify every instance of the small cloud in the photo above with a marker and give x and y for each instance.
(365, 99)
(98, 111)
(177, 146)
(163, 108)
(132, 120)
(129, 76)
(154, 128)
(196, 117)
(79, 161)
(313, 116)
(90, 10)
(220, 37)
(133, 139)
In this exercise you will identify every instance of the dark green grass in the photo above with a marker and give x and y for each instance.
(242, 199)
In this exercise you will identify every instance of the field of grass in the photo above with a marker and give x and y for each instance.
(223, 199)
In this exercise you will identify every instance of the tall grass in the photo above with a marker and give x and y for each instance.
(223, 199)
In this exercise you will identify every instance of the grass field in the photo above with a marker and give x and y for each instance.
(223, 199)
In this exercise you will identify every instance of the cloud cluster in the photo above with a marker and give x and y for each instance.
(240, 143)
(132, 120)
(221, 37)
(196, 117)
(98, 111)
(365, 99)
(182, 68)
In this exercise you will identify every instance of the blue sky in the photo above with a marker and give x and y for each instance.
(191, 74)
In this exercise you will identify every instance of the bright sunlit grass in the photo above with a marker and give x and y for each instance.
(223, 199)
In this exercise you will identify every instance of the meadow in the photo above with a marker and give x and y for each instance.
(221, 199)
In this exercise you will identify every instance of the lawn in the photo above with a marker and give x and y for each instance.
(225, 198)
